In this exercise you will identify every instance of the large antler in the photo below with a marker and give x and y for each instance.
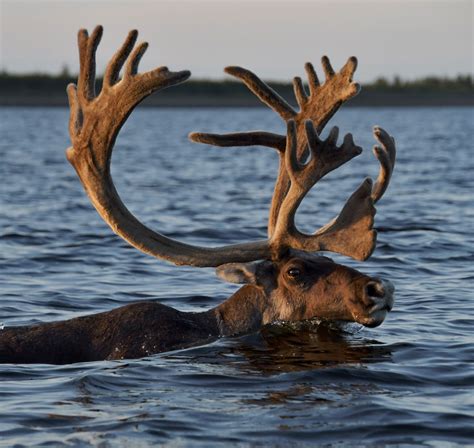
(351, 233)
(94, 124)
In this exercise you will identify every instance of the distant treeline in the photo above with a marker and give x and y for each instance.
(459, 83)
(38, 89)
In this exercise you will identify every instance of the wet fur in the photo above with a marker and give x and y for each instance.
(132, 331)
(321, 289)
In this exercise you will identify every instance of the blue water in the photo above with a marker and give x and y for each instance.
(408, 382)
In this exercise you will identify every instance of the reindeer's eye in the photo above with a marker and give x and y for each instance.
(294, 272)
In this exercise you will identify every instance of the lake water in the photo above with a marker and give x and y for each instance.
(408, 382)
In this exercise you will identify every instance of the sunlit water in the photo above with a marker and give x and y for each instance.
(406, 382)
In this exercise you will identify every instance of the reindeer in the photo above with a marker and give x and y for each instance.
(284, 277)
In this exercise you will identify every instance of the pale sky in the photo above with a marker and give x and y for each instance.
(272, 38)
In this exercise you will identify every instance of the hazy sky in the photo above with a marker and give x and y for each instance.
(272, 38)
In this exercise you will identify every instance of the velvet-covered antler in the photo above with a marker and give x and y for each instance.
(351, 232)
(96, 120)
(319, 106)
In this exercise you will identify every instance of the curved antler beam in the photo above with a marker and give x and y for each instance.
(95, 122)
(386, 154)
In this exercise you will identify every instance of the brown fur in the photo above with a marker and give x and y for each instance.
(131, 331)
(322, 289)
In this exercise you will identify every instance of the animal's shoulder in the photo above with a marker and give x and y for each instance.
(144, 328)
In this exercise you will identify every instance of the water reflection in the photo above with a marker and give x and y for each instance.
(283, 348)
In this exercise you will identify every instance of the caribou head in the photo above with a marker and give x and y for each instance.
(285, 277)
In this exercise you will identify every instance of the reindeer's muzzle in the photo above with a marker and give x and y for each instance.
(378, 300)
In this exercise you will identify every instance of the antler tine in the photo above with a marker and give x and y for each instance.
(75, 115)
(313, 80)
(300, 92)
(251, 138)
(327, 67)
(134, 60)
(116, 63)
(87, 49)
(386, 155)
(263, 91)
(349, 67)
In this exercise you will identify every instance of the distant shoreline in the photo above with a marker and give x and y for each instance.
(363, 100)
(36, 90)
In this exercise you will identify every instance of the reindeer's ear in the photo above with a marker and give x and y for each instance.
(238, 272)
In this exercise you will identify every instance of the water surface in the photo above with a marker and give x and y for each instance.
(408, 382)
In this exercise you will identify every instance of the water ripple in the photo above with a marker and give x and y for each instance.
(406, 383)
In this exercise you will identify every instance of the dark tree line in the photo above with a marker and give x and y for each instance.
(33, 82)
(37, 89)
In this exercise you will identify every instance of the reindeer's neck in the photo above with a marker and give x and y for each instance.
(243, 312)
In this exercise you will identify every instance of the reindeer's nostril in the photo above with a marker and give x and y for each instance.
(375, 289)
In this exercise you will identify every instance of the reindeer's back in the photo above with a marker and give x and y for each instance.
(132, 331)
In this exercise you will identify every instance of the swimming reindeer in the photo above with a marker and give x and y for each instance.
(284, 277)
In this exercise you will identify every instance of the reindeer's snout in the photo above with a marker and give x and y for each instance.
(378, 297)
(380, 292)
